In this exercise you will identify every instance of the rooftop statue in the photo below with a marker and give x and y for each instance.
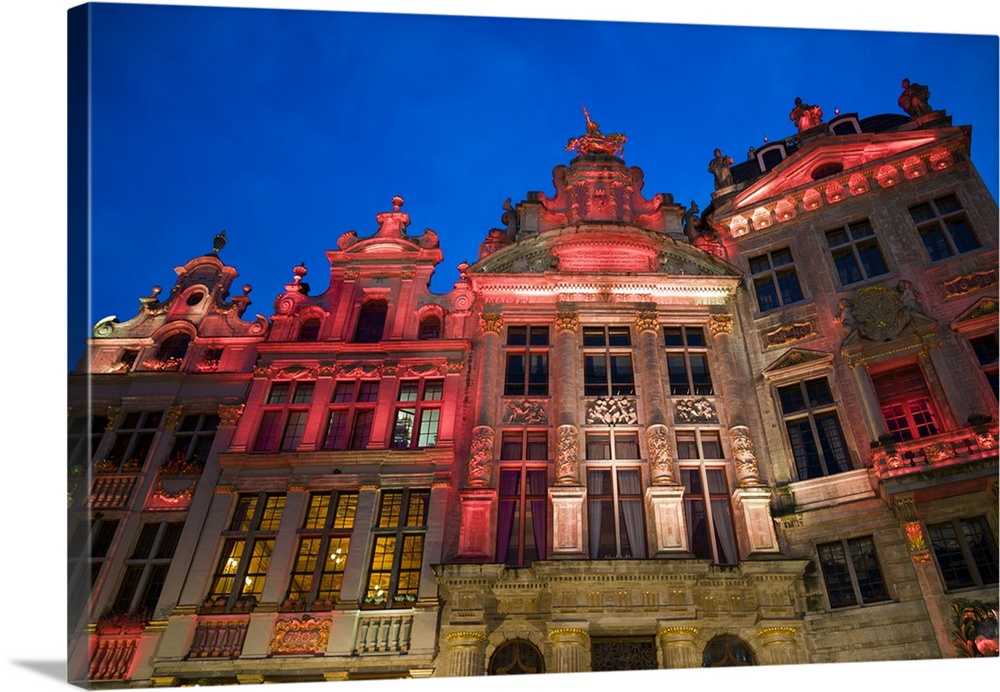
(805, 116)
(914, 99)
(594, 142)
(719, 167)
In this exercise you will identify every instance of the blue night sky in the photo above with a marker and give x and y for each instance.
(287, 128)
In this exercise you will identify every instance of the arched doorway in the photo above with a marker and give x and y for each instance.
(727, 650)
(516, 657)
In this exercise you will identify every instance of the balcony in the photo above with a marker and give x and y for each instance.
(112, 492)
(936, 452)
(384, 633)
(221, 638)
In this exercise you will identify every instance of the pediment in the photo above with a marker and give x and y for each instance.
(797, 359)
(829, 157)
(983, 310)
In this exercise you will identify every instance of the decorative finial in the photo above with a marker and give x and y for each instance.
(594, 142)
(218, 242)
(397, 203)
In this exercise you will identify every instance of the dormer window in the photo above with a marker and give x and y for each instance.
(770, 156)
(371, 322)
(309, 331)
(174, 348)
(430, 327)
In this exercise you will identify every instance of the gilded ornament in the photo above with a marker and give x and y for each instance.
(567, 321)
(300, 636)
(491, 322)
(720, 324)
(647, 321)
(969, 283)
(229, 414)
(173, 418)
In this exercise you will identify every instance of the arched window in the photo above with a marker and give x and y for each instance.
(430, 327)
(727, 650)
(516, 657)
(309, 331)
(371, 322)
(173, 347)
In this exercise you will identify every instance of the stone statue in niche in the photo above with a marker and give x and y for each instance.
(719, 167)
(805, 116)
(914, 99)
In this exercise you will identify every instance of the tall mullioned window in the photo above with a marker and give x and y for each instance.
(324, 541)
(527, 361)
(706, 496)
(286, 410)
(371, 322)
(614, 495)
(851, 572)
(418, 413)
(775, 281)
(607, 362)
(397, 549)
(352, 411)
(855, 252)
(687, 361)
(943, 227)
(965, 551)
(810, 415)
(146, 567)
(523, 498)
(906, 403)
(134, 439)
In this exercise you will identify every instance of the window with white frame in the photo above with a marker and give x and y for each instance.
(607, 362)
(906, 404)
(146, 568)
(687, 361)
(324, 541)
(809, 412)
(418, 413)
(855, 252)
(397, 549)
(248, 544)
(706, 496)
(523, 497)
(352, 412)
(775, 281)
(285, 413)
(616, 524)
(965, 551)
(851, 572)
(943, 227)
(527, 361)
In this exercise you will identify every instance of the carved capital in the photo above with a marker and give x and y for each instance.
(647, 321)
(174, 416)
(719, 325)
(113, 413)
(491, 322)
(229, 414)
(567, 321)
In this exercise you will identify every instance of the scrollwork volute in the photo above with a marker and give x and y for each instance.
(481, 456)
(567, 455)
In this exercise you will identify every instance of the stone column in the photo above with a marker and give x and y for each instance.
(778, 646)
(491, 324)
(570, 650)
(874, 422)
(567, 434)
(679, 646)
(465, 654)
(647, 353)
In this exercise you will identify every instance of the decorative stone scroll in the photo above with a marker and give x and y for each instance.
(567, 455)
(481, 459)
(695, 411)
(491, 322)
(968, 283)
(525, 413)
(789, 332)
(567, 321)
(661, 464)
(300, 636)
(747, 472)
(612, 410)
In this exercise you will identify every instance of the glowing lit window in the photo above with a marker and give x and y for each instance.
(607, 362)
(324, 540)
(248, 544)
(371, 322)
(987, 352)
(397, 549)
(351, 413)
(523, 500)
(133, 441)
(906, 403)
(416, 425)
(943, 227)
(855, 252)
(775, 281)
(687, 361)
(965, 551)
(146, 568)
(851, 572)
(810, 415)
(614, 495)
(284, 417)
(527, 359)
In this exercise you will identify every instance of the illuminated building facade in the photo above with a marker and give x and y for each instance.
(633, 435)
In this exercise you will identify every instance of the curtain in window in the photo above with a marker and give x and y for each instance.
(539, 511)
(595, 486)
(509, 487)
(629, 483)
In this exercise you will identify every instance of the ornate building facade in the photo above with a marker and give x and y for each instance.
(633, 435)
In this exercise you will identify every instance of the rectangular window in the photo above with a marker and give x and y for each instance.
(987, 353)
(856, 253)
(966, 552)
(88, 546)
(687, 361)
(193, 440)
(397, 549)
(906, 403)
(527, 358)
(774, 280)
(523, 502)
(84, 436)
(851, 572)
(352, 410)
(607, 362)
(416, 425)
(286, 411)
(133, 440)
(324, 540)
(371, 322)
(614, 496)
(943, 227)
(810, 415)
(146, 568)
(706, 509)
(246, 553)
